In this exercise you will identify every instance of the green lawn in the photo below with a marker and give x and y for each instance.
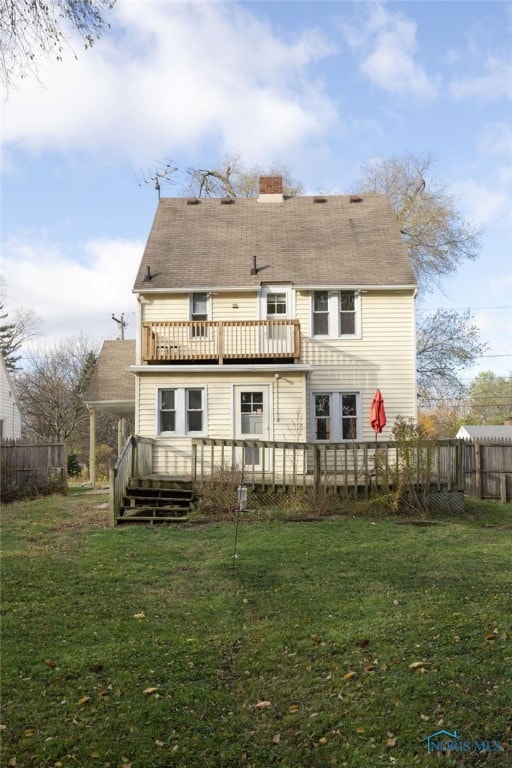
(343, 642)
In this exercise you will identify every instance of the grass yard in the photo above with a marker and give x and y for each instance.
(344, 642)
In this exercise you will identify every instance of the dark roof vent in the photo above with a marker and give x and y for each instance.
(193, 201)
(148, 276)
(356, 199)
(319, 199)
(227, 201)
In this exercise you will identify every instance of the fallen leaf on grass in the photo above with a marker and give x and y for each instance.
(148, 691)
(416, 665)
(276, 739)
(390, 743)
(83, 700)
(12, 762)
(349, 675)
(262, 705)
(316, 638)
(360, 729)
(3, 727)
(50, 663)
(140, 615)
(294, 707)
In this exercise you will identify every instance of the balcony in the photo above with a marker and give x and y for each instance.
(220, 342)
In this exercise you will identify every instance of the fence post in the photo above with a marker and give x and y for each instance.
(316, 467)
(478, 472)
(503, 488)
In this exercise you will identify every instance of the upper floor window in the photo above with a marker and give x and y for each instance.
(336, 313)
(276, 305)
(199, 313)
(182, 411)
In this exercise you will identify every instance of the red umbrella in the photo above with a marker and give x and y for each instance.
(377, 413)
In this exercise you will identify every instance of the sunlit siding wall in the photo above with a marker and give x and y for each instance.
(382, 358)
(176, 306)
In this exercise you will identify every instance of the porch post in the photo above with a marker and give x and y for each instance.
(92, 446)
(121, 435)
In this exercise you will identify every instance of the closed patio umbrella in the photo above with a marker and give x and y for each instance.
(377, 413)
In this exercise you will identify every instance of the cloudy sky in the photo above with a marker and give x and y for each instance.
(319, 86)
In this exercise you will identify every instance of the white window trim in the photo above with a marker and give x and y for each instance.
(265, 290)
(334, 315)
(181, 412)
(336, 415)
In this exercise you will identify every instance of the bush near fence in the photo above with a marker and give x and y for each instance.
(30, 468)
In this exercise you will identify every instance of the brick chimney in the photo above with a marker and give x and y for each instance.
(271, 189)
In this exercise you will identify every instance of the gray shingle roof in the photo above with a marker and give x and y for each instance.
(336, 242)
(485, 432)
(111, 381)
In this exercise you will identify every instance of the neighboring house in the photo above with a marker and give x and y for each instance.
(111, 390)
(485, 432)
(271, 319)
(10, 416)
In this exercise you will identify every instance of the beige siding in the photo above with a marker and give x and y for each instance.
(175, 307)
(382, 358)
(172, 455)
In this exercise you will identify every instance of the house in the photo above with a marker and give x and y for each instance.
(111, 390)
(271, 319)
(10, 415)
(485, 433)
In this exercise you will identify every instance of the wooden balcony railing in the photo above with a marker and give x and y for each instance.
(220, 341)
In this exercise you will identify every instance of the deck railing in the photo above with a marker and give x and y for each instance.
(136, 460)
(220, 341)
(355, 466)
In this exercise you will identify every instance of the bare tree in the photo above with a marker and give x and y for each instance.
(233, 178)
(447, 343)
(50, 389)
(35, 29)
(437, 237)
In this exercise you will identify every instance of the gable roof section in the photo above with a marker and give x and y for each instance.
(111, 381)
(485, 432)
(334, 242)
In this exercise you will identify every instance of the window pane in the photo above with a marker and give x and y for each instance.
(347, 301)
(349, 405)
(167, 421)
(276, 304)
(322, 420)
(167, 399)
(195, 399)
(320, 324)
(321, 301)
(320, 313)
(194, 421)
(322, 405)
(347, 324)
(349, 429)
(347, 313)
(199, 304)
(349, 420)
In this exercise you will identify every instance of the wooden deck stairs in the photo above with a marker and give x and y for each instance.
(156, 500)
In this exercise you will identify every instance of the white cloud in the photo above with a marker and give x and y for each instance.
(173, 75)
(73, 296)
(495, 82)
(482, 203)
(388, 44)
